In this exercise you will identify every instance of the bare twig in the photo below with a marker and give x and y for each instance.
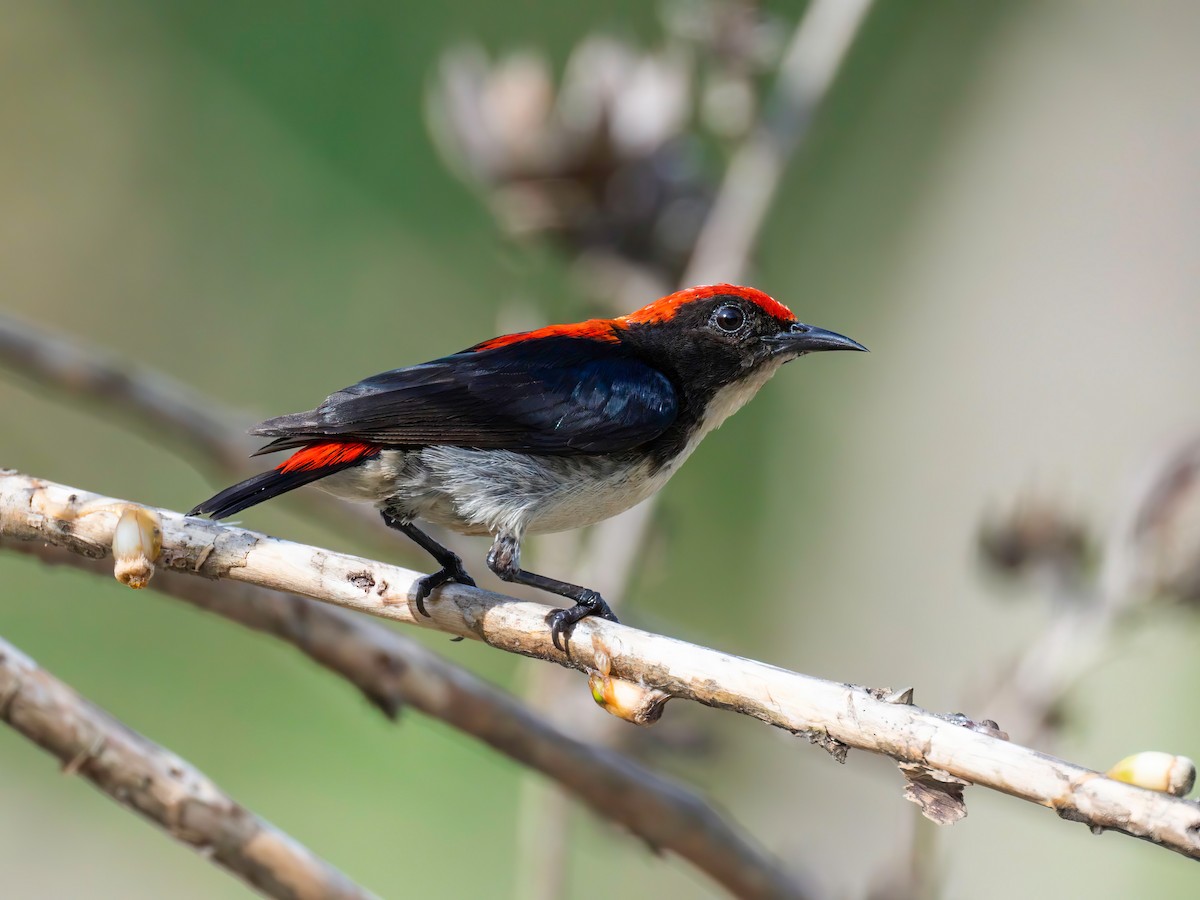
(818, 47)
(394, 671)
(169, 408)
(936, 749)
(163, 788)
(810, 63)
(174, 414)
(389, 669)
(722, 252)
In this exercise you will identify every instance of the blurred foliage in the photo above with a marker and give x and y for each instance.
(245, 195)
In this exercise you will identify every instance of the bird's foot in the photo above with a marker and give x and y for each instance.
(452, 572)
(561, 621)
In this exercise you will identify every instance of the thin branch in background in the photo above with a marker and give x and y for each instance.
(721, 251)
(940, 755)
(817, 50)
(394, 671)
(161, 787)
(1086, 615)
(160, 404)
(173, 414)
(389, 669)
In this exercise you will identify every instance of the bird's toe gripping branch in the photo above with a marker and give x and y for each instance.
(505, 560)
(451, 565)
(426, 585)
(561, 621)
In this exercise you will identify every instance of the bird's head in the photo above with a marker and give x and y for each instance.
(719, 335)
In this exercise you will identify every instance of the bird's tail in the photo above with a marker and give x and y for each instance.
(307, 465)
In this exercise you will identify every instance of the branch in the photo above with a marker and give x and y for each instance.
(164, 405)
(389, 669)
(814, 55)
(173, 413)
(816, 52)
(812, 59)
(1091, 603)
(940, 754)
(818, 47)
(156, 783)
(394, 671)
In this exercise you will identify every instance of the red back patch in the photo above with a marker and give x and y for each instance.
(595, 329)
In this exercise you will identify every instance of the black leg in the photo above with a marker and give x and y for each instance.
(505, 560)
(451, 566)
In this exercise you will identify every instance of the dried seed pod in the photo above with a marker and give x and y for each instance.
(1034, 533)
(605, 163)
(137, 542)
(1157, 771)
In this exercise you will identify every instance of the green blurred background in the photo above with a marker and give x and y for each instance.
(1000, 199)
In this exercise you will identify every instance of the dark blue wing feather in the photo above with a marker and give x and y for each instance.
(546, 395)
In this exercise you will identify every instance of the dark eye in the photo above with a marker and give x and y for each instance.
(729, 319)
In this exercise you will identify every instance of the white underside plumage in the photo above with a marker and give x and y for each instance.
(509, 493)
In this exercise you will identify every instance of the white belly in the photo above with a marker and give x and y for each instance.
(490, 491)
(494, 491)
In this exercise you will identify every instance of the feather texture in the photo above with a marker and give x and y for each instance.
(552, 395)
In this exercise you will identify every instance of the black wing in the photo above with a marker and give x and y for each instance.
(546, 395)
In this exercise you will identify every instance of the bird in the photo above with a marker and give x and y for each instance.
(540, 431)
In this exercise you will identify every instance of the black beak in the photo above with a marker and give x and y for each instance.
(800, 339)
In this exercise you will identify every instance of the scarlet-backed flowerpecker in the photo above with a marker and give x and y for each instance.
(540, 431)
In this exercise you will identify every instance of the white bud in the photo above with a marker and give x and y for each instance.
(137, 542)
(626, 700)
(1157, 771)
(634, 703)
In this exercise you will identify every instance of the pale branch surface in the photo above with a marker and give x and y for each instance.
(1090, 607)
(722, 252)
(394, 671)
(388, 668)
(163, 788)
(815, 53)
(937, 748)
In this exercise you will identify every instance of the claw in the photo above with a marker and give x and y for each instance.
(426, 585)
(557, 620)
(561, 621)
